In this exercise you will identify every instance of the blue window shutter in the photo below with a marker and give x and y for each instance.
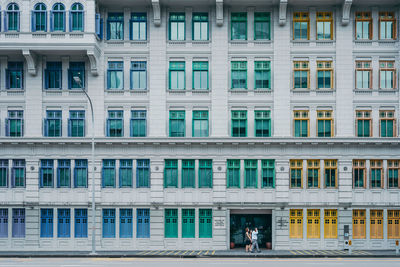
(45, 21)
(45, 133)
(12, 177)
(64, 26)
(108, 31)
(101, 28)
(46, 79)
(108, 79)
(22, 78)
(69, 127)
(41, 178)
(130, 29)
(5, 21)
(70, 21)
(58, 177)
(108, 128)
(7, 127)
(18, 21)
(51, 21)
(22, 128)
(69, 79)
(83, 21)
(7, 79)
(102, 177)
(75, 174)
(33, 19)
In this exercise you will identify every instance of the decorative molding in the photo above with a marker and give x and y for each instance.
(219, 12)
(93, 56)
(346, 11)
(282, 12)
(31, 61)
(156, 12)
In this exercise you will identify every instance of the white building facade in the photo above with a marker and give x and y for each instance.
(210, 116)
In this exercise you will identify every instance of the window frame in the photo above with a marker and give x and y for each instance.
(18, 223)
(325, 116)
(18, 166)
(364, 116)
(81, 223)
(77, 15)
(53, 117)
(125, 223)
(108, 223)
(392, 167)
(110, 166)
(63, 223)
(264, 117)
(387, 66)
(262, 17)
(177, 67)
(239, 116)
(324, 17)
(267, 165)
(177, 116)
(46, 223)
(115, 17)
(300, 67)
(205, 165)
(200, 17)
(202, 68)
(115, 68)
(374, 167)
(359, 165)
(77, 68)
(239, 17)
(233, 166)
(77, 116)
(143, 223)
(262, 67)
(188, 223)
(200, 116)
(296, 165)
(39, 11)
(312, 166)
(250, 173)
(18, 117)
(376, 224)
(188, 173)
(172, 165)
(238, 68)
(301, 116)
(171, 227)
(138, 67)
(4, 173)
(363, 17)
(14, 11)
(53, 71)
(331, 165)
(140, 18)
(80, 164)
(205, 223)
(325, 66)
(15, 75)
(63, 166)
(46, 164)
(138, 117)
(386, 17)
(115, 116)
(178, 18)
(125, 168)
(57, 13)
(301, 17)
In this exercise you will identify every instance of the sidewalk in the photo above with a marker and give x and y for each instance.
(209, 253)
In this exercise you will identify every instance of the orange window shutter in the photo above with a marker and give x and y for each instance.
(379, 233)
(299, 228)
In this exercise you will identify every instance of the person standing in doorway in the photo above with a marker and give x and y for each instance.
(254, 242)
(247, 239)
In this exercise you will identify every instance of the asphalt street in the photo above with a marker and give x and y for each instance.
(197, 262)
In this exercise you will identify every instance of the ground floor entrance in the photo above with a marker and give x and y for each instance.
(242, 219)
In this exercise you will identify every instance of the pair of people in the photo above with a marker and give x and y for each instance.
(251, 238)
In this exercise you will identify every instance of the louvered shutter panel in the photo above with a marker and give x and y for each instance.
(33, 20)
(51, 21)
(5, 21)
(70, 21)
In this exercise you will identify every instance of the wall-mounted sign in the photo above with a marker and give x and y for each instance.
(281, 223)
(219, 223)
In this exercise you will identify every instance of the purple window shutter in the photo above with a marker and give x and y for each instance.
(3, 222)
(18, 224)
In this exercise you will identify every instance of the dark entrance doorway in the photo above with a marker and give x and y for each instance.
(240, 219)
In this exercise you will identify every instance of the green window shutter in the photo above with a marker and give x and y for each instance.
(171, 173)
(262, 75)
(188, 175)
(250, 173)
(188, 223)
(239, 123)
(205, 223)
(171, 223)
(262, 26)
(200, 75)
(200, 123)
(239, 74)
(177, 123)
(233, 173)
(200, 26)
(177, 77)
(205, 173)
(239, 26)
(268, 173)
(262, 123)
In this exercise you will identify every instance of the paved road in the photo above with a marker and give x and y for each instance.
(199, 262)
